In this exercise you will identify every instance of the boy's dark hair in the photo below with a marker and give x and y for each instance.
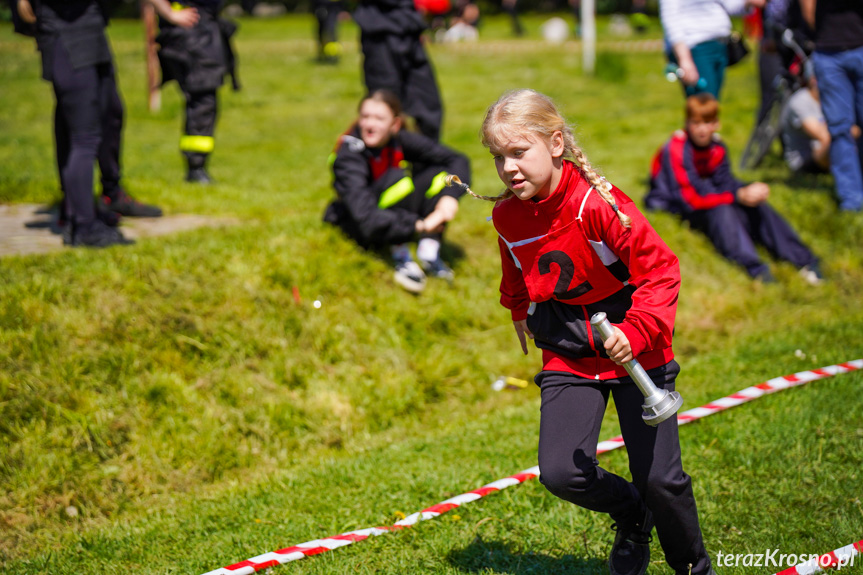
(702, 107)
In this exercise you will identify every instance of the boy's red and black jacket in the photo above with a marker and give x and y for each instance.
(571, 257)
(361, 175)
(685, 179)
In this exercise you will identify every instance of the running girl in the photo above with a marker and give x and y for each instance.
(571, 245)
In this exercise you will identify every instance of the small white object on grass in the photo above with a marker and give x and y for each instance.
(317, 304)
(506, 382)
(555, 30)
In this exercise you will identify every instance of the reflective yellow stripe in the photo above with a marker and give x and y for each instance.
(332, 49)
(438, 183)
(202, 144)
(396, 193)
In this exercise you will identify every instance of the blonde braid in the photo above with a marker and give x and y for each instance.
(600, 184)
(453, 180)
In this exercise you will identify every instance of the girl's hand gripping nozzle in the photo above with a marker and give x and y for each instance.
(659, 404)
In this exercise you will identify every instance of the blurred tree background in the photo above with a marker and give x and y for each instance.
(132, 8)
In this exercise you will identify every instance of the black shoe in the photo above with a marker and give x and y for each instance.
(630, 552)
(105, 213)
(765, 277)
(96, 235)
(125, 205)
(199, 176)
(438, 269)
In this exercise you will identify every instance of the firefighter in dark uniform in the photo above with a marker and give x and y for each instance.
(391, 187)
(76, 59)
(394, 59)
(195, 50)
(327, 15)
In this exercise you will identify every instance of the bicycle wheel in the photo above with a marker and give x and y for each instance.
(762, 137)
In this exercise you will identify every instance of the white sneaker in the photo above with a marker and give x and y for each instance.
(812, 274)
(410, 276)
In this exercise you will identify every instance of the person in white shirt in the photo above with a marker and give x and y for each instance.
(696, 32)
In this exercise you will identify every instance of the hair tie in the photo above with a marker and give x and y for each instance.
(615, 208)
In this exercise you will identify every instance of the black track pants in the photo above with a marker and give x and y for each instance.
(571, 415)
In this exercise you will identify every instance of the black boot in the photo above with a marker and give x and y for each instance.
(95, 235)
(197, 173)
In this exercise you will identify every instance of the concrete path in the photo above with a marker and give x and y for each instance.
(32, 228)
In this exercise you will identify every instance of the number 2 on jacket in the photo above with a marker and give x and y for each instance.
(567, 271)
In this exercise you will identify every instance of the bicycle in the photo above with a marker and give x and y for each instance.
(768, 129)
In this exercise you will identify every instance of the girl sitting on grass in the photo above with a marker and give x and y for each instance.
(571, 245)
(391, 189)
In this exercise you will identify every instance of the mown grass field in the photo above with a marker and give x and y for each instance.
(169, 408)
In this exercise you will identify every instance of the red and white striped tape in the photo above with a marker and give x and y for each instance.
(317, 546)
(835, 559)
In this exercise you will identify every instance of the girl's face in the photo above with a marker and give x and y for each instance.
(377, 123)
(529, 166)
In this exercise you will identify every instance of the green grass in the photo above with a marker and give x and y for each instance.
(175, 395)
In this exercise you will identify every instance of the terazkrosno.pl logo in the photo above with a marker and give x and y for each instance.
(774, 558)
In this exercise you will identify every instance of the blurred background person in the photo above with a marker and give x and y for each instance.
(327, 16)
(696, 33)
(838, 60)
(805, 137)
(391, 189)
(394, 59)
(77, 60)
(195, 50)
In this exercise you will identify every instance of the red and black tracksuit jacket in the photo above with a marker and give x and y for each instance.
(686, 179)
(567, 257)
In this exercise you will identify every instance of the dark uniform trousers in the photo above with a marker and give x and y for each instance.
(327, 14)
(201, 113)
(112, 113)
(81, 94)
(399, 63)
(198, 59)
(735, 230)
(572, 409)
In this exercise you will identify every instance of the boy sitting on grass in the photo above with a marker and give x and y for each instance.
(691, 176)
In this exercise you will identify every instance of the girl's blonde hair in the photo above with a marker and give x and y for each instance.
(531, 114)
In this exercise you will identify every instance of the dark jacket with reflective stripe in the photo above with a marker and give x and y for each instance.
(361, 175)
